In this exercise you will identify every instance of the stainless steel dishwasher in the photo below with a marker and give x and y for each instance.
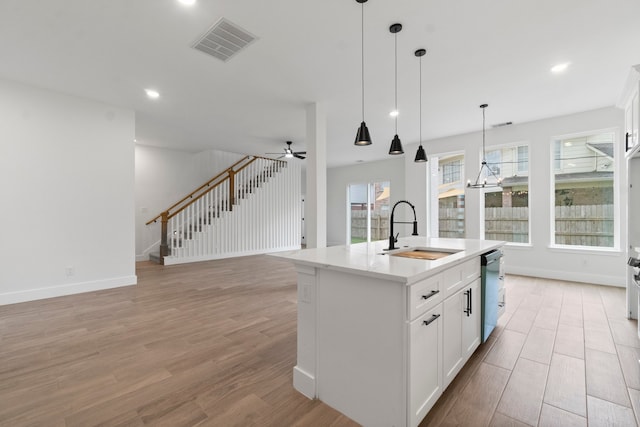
(491, 278)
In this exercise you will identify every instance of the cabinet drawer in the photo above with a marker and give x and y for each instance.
(461, 274)
(424, 294)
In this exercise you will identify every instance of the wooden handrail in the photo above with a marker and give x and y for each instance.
(230, 170)
(206, 184)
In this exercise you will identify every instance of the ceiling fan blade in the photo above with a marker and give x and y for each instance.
(296, 155)
(300, 152)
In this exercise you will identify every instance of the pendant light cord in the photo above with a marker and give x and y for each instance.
(420, 118)
(396, 78)
(362, 63)
(484, 156)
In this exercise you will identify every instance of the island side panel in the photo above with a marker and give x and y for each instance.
(304, 373)
(362, 347)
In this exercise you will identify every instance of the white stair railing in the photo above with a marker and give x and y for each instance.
(254, 208)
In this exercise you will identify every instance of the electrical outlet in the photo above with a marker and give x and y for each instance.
(70, 271)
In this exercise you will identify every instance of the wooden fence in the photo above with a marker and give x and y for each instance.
(379, 226)
(510, 224)
(583, 225)
(451, 222)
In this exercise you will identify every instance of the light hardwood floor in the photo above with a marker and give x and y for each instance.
(214, 344)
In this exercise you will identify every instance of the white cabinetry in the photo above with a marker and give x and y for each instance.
(425, 364)
(377, 347)
(439, 353)
(461, 335)
(471, 320)
(630, 102)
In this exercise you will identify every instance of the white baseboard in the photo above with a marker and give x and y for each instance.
(68, 289)
(574, 276)
(168, 260)
(304, 382)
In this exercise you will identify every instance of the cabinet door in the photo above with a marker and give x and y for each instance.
(635, 114)
(452, 309)
(425, 364)
(631, 119)
(471, 319)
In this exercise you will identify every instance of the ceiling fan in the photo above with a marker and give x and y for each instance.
(289, 153)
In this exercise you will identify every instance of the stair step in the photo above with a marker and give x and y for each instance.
(155, 257)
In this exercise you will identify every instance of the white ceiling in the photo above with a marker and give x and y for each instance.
(493, 51)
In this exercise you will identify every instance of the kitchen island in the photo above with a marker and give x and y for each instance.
(382, 334)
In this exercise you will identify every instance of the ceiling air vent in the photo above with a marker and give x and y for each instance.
(224, 40)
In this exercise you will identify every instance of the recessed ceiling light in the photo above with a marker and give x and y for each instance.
(153, 94)
(560, 68)
(394, 113)
(188, 2)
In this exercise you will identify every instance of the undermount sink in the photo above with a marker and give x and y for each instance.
(425, 253)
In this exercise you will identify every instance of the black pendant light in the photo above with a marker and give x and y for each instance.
(421, 156)
(396, 145)
(483, 166)
(362, 136)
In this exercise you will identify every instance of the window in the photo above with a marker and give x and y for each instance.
(523, 159)
(506, 210)
(451, 171)
(583, 208)
(494, 161)
(447, 196)
(557, 154)
(368, 211)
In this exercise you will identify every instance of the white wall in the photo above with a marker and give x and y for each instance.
(537, 259)
(67, 177)
(338, 179)
(163, 177)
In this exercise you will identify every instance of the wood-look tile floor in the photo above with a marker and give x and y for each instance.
(214, 344)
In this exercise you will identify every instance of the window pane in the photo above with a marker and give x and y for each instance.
(381, 193)
(359, 211)
(451, 197)
(523, 159)
(584, 191)
(506, 212)
(494, 161)
(369, 211)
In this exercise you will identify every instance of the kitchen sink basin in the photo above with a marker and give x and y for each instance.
(428, 254)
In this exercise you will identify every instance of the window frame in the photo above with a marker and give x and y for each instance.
(434, 177)
(370, 189)
(500, 147)
(617, 208)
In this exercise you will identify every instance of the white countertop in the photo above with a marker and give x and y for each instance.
(369, 259)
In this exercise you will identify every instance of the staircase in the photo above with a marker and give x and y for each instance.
(251, 207)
